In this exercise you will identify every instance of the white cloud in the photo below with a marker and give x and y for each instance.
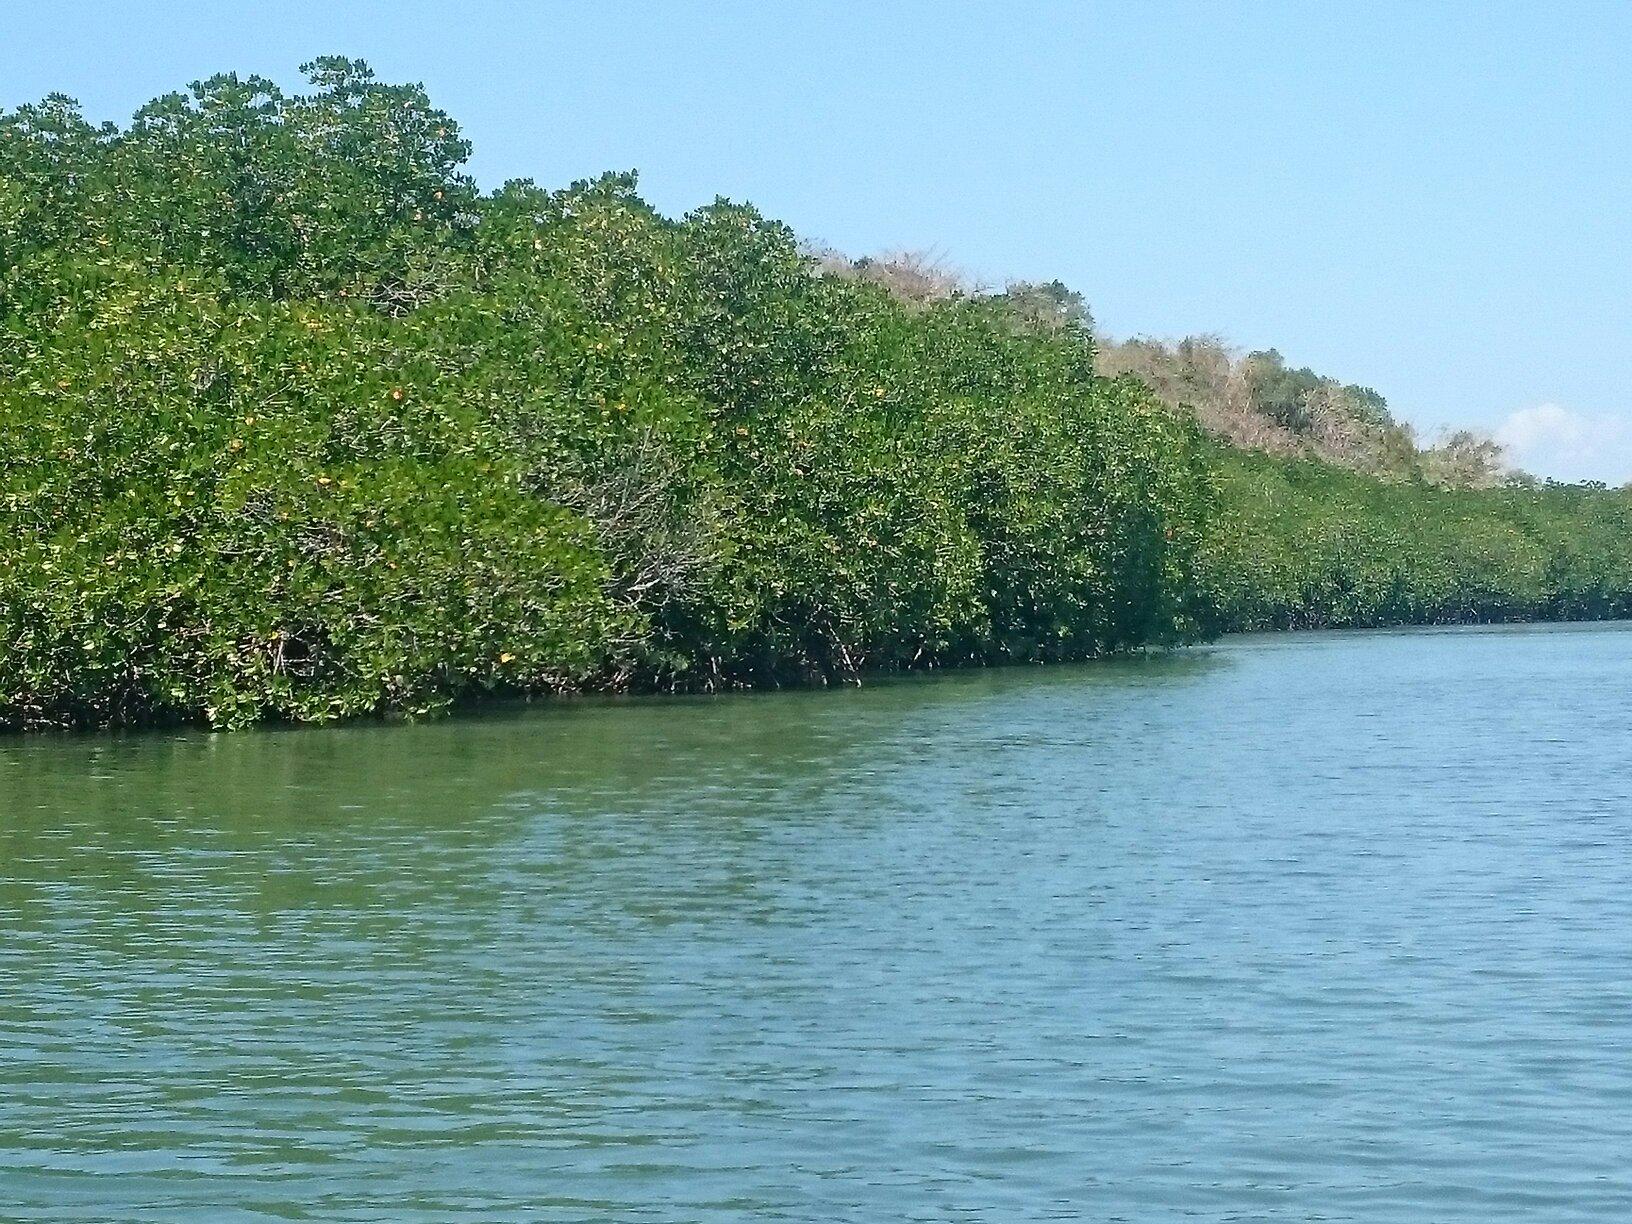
(1551, 440)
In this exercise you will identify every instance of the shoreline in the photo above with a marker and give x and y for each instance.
(488, 707)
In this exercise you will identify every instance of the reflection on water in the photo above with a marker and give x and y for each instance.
(1317, 926)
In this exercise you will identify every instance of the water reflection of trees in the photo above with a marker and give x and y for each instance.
(658, 800)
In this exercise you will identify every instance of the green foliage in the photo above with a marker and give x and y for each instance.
(299, 426)
(232, 510)
(1291, 397)
(1302, 544)
(353, 188)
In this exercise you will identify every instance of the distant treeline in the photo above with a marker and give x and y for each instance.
(1303, 544)
(300, 425)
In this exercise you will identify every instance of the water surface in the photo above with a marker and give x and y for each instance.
(1309, 927)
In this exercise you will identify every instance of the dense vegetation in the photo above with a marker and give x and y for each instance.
(1304, 544)
(299, 425)
(1252, 400)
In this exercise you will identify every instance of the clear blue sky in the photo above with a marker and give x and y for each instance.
(1430, 198)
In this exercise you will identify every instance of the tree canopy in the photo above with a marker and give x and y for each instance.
(300, 425)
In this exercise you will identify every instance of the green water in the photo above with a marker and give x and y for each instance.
(1320, 926)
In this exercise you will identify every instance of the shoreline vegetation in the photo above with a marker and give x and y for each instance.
(299, 425)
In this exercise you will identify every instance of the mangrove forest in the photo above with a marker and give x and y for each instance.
(299, 424)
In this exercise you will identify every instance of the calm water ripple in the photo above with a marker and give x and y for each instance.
(1315, 927)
